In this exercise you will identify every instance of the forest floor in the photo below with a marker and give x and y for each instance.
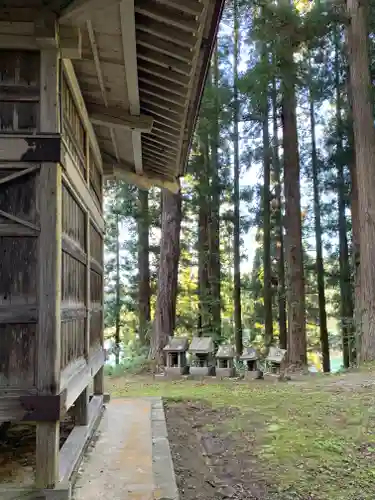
(309, 439)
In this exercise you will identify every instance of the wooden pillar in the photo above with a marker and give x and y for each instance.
(82, 404)
(48, 333)
(99, 377)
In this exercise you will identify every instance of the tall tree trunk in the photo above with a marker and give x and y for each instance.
(165, 311)
(144, 291)
(267, 285)
(293, 238)
(345, 281)
(203, 240)
(118, 292)
(324, 342)
(214, 223)
(279, 226)
(354, 207)
(364, 136)
(236, 228)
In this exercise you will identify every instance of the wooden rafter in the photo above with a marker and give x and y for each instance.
(151, 90)
(165, 61)
(129, 49)
(164, 32)
(99, 73)
(159, 142)
(193, 7)
(184, 130)
(162, 48)
(163, 104)
(172, 17)
(158, 71)
(161, 83)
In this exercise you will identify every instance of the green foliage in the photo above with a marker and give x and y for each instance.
(133, 365)
(269, 33)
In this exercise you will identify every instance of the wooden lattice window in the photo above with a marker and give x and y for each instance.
(73, 130)
(19, 91)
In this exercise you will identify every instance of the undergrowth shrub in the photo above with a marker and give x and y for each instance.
(134, 363)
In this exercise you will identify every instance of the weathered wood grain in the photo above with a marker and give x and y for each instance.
(49, 342)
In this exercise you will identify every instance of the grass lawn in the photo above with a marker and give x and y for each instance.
(311, 440)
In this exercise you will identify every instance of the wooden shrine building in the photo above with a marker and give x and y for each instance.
(89, 90)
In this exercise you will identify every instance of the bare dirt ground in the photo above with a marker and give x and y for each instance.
(17, 455)
(209, 463)
(311, 438)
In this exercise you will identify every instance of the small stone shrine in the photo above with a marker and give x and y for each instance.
(202, 351)
(225, 361)
(250, 357)
(176, 356)
(275, 358)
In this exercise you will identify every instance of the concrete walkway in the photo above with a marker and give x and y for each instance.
(130, 459)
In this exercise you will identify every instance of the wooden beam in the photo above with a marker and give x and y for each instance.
(125, 171)
(21, 313)
(74, 447)
(146, 181)
(67, 38)
(11, 408)
(17, 230)
(77, 375)
(70, 42)
(30, 148)
(18, 173)
(99, 74)
(127, 16)
(79, 11)
(118, 118)
(45, 31)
